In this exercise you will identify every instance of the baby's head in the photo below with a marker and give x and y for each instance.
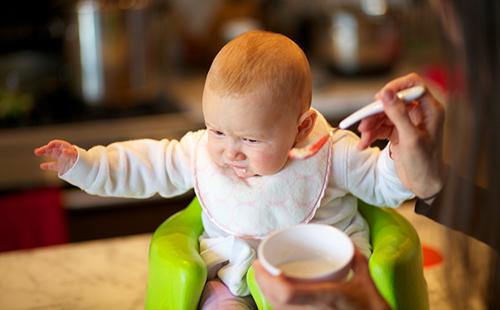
(256, 103)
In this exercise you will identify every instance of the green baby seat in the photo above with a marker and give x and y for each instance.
(177, 274)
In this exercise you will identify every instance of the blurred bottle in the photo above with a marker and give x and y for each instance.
(356, 37)
(205, 26)
(114, 49)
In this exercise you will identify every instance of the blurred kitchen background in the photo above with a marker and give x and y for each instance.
(94, 72)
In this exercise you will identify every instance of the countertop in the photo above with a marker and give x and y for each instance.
(112, 273)
(105, 274)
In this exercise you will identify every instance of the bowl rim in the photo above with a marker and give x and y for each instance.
(275, 271)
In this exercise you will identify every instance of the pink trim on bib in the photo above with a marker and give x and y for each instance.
(252, 208)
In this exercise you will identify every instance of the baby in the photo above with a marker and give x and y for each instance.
(256, 105)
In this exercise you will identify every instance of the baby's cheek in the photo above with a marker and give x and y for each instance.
(269, 162)
(214, 152)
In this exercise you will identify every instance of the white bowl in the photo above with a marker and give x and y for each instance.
(307, 252)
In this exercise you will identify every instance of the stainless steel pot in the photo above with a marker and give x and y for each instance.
(113, 51)
(358, 37)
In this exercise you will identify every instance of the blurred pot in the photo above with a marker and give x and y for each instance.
(358, 37)
(113, 48)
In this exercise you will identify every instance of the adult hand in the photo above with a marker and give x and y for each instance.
(415, 131)
(63, 154)
(357, 293)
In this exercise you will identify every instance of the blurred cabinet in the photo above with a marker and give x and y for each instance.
(134, 217)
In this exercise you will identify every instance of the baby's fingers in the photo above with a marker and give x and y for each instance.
(45, 150)
(52, 166)
(53, 149)
(40, 151)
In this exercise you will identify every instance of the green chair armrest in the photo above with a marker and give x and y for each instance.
(258, 296)
(177, 273)
(396, 262)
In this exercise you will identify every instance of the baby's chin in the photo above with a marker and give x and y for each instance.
(265, 172)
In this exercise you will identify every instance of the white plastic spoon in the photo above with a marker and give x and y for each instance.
(407, 95)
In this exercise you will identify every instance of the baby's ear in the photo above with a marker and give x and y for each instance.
(306, 124)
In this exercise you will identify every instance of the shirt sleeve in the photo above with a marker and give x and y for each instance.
(136, 168)
(368, 174)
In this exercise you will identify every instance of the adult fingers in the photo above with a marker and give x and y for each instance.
(368, 128)
(319, 296)
(432, 112)
(365, 140)
(396, 111)
(401, 83)
(371, 122)
(292, 294)
(359, 263)
(368, 137)
(415, 113)
(276, 288)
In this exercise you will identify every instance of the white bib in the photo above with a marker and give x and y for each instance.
(255, 206)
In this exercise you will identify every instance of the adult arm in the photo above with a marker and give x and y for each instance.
(416, 134)
(479, 213)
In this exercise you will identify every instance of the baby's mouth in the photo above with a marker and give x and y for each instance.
(240, 172)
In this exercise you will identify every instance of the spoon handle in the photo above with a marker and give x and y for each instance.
(407, 95)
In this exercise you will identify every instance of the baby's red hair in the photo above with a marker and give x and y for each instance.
(263, 61)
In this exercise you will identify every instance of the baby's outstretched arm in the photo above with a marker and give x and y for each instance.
(63, 155)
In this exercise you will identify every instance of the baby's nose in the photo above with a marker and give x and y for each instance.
(234, 154)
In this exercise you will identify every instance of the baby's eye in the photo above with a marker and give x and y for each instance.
(250, 140)
(217, 132)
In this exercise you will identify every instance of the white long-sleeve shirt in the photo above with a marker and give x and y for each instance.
(143, 168)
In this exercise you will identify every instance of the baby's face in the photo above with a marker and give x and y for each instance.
(248, 134)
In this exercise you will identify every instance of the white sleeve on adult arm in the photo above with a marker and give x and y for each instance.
(137, 168)
(369, 174)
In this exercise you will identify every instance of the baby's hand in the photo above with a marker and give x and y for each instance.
(63, 153)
